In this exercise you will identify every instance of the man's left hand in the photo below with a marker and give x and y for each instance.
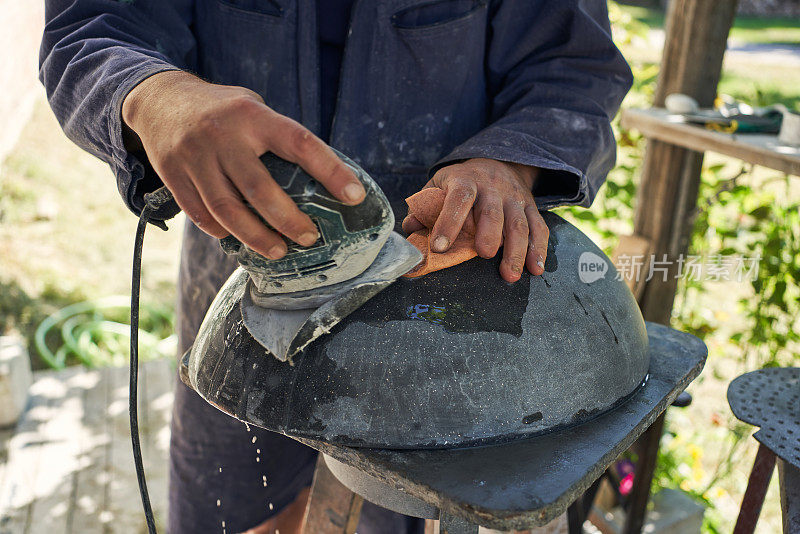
(504, 211)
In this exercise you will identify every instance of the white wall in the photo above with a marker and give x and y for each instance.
(21, 24)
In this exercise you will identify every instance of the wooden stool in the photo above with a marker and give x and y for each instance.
(770, 398)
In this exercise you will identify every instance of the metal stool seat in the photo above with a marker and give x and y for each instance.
(770, 398)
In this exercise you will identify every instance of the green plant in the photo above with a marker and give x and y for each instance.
(680, 466)
(760, 221)
(739, 214)
(21, 309)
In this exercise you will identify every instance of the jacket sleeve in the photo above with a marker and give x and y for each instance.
(556, 80)
(93, 53)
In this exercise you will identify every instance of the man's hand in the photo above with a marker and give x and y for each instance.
(504, 210)
(204, 141)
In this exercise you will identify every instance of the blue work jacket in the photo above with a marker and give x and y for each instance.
(424, 83)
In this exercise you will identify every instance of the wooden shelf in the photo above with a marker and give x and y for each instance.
(759, 149)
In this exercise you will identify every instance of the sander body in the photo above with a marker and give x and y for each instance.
(290, 302)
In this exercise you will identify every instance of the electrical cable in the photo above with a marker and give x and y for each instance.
(133, 407)
(159, 206)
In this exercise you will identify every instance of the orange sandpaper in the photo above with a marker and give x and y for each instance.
(425, 206)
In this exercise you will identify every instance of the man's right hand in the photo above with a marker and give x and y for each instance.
(205, 140)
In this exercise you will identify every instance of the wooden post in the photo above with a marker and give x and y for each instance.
(332, 508)
(632, 260)
(697, 32)
(696, 37)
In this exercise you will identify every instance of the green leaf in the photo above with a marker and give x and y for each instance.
(761, 212)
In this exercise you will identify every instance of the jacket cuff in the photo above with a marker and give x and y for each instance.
(133, 172)
(558, 184)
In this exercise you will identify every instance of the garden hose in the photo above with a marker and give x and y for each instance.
(57, 360)
(84, 327)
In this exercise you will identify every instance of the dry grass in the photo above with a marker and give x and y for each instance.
(65, 235)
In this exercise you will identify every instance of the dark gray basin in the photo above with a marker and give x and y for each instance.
(458, 357)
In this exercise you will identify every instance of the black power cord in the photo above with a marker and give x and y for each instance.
(159, 206)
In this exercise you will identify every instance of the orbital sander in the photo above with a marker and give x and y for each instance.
(290, 302)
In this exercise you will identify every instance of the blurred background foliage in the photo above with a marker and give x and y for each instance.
(742, 212)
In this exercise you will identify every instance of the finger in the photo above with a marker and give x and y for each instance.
(537, 241)
(269, 199)
(457, 205)
(515, 244)
(225, 204)
(189, 200)
(437, 179)
(411, 224)
(489, 234)
(290, 140)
